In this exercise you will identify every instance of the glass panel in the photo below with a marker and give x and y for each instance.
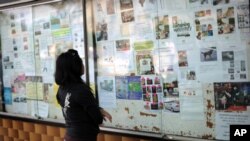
(18, 63)
(33, 38)
(57, 28)
(129, 86)
(170, 67)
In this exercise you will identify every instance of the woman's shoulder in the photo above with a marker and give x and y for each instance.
(81, 87)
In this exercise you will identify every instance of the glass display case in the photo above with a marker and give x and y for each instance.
(158, 66)
(33, 36)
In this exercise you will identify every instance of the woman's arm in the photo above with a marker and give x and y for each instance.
(106, 115)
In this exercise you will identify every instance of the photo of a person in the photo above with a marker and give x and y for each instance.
(110, 7)
(123, 45)
(127, 16)
(126, 4)
(102, 31)
(198, 36)
(182, 55)
(232, 96)
(209, 30)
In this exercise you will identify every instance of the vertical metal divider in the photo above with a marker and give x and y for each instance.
(90, 42)
(94, 49)
(35, 63)
(1, 78)
(161, 117)
(86, 43)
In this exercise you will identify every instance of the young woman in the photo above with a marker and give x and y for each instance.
(80, 109)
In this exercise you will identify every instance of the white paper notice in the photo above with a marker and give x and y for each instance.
(224, 120)
(39, 109)
(191, 101)
(106, 89)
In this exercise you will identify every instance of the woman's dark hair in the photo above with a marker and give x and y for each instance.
(69, 68)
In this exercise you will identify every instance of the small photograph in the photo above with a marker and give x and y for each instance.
(107, 85)
(191, 75)
(154, 106)
(172, 105)
(143, 81)
(149, 89)
(8, 65)
(25, 47)
(110, 7)
(46, 88)
(155, 98)
(232, 64)
(243, 16)
(16, 55)
(13, 31)
(123, 45)
(226, 20)
(159, 89)
(207, 29)
(55, 21)
(199, 1)
(243, 76)
(121, 85)
(200, 14)
(182, 56)
(12, 24)
(188, 92)
(147, 97)
(232, 77)
(30, 79)
(243, 65)
(208, 54)
(144, 63)
(14, 41)
(15, 48)
(144, 89)
(46, 25)
(23, 26)
(161, 27)
(149, 81)
(134, 88)
(170, 89)
(153, 89)
(127, 16)
(102, 30)
(38, 32)
(12, 16)
(157, 80)
(100, 5)
(39, 79)
(6, 59)
(230, 70)
(25, 39)
(227, 56)
(20, 99)
(126, 4)
(218, 2)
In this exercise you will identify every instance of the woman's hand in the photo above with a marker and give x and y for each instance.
(106, 115)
